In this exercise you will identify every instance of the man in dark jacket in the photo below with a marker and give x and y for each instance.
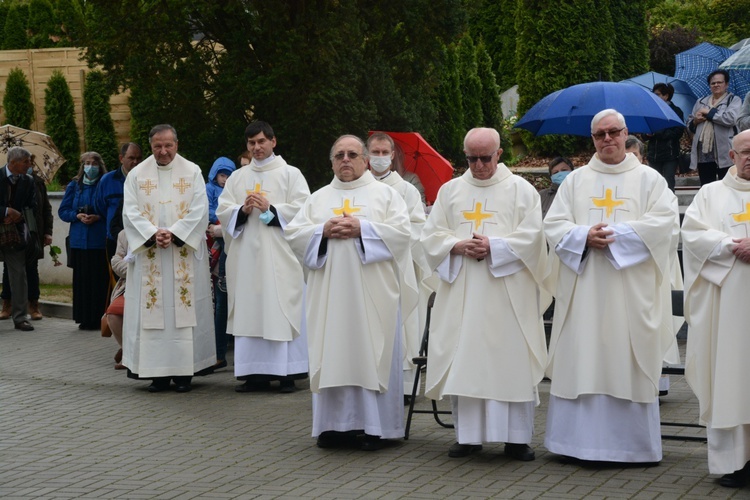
(16, 195)
(664, 146)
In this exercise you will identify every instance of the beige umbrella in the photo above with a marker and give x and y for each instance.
(47, 158)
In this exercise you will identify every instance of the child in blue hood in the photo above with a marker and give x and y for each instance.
(217, 177)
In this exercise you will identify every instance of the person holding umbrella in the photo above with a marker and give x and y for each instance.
(713, 123)
(664, 145)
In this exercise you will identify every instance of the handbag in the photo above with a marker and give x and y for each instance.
(10, 238)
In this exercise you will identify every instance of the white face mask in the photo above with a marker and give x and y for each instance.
(380, 164)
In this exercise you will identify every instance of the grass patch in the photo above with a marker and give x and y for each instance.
(56, 293)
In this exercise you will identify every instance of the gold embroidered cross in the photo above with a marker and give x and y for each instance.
(743, 216)
(346, 208)
(477, 215)
(607, 202)
(256, 190)
(147, 186)
(182, 186)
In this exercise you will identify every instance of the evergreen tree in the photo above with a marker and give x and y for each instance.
(471, 85)
(61, 123)
(494, 22)
(492, 111)
(19, 108)
(41, 24)
(100, 130)
(4, 9)
(450, 128)
(14, 34)
(631, 33)
(72, 25)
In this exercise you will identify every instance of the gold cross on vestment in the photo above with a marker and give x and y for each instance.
(182, 186)
(147, 186)
(607, 202)
(477, 215)
(256, 190)
(743, 216)
(346, 208)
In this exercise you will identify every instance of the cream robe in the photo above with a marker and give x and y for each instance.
(352, 306)
(487, 336)
(414, 324)
(264, 277)
(716, 283)
(612, 327)
(172, 351)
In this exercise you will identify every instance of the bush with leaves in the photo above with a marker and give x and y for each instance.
(61, 124)
(14, 31)
(19, 108)
(631, 33)
(665, 43)
(100, 129)
(42, 25)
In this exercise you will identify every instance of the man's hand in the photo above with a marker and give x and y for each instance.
(742, 250)
(598, 236)
(13, 216)
(258, 201)
(477, 247)
(163, 238)
(214, 230)
(47, 240)
(88, 218)
(343, 227)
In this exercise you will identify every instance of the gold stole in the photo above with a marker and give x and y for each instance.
(152, 308)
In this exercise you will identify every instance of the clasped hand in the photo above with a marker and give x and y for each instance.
(255, 200)
(343, 227)
(476, 247)
(598, 236)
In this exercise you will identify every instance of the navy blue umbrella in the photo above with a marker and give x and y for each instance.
(570, 111)
(694, 66)
(683, 96)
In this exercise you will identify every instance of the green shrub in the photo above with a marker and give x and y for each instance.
(99, 133)
(14, 32)
(61, 123)
(19, 108)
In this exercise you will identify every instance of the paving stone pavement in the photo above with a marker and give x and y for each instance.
(73, 427)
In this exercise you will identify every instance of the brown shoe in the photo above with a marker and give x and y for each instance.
(5, 313)
(34, 310)
(25, 326)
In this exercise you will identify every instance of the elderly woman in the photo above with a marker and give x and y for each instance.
(87, 235)
(713, 123)
(559, 168)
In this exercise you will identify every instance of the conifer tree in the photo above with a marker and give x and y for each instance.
(492, 111)
(471, 85)
(100, 129)
(19, 108)
(41, 24)
(450, 122)
(61, 124)
(14, 33)
(631, 32)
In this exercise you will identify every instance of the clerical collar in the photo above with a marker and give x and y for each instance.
(263, 163)
(381, 177)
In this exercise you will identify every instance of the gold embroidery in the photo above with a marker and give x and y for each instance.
(147, 186)
(183, 209)
(346, 208)
(607, 203)
(743, 216)
(182, 186)
(477, 215)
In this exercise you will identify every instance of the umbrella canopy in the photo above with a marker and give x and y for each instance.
(570, 110)
(695, 64)
(742, 43)
(738, 60)
(419, 157)
(683, 95)
(47, 159)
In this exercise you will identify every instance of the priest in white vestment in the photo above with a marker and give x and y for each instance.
(716, 253)
(168, 330)
(487, 346)
(611, 227)
(264, 277)
(353, 237)
(381, 150)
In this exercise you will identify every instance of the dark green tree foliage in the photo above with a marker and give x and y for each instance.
(450, 119)
(494, 22)
(14, 34)
(41, 24)
(631, 35)
(734, 16)
(61, 123)
(665, 43)
(4, 9)
(471, 85)
(314, 69)
(19, 108)
(100, 130)
(492, 111)
(72, 28)
(560, 44)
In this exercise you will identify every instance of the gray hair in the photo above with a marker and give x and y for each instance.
(17, 153)
(493, 133)
(604, 113)
(162, 128)
(632, 141)
(364, 153)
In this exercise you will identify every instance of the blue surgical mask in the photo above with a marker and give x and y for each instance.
(91, 171)
(30, 170)
(559, 177)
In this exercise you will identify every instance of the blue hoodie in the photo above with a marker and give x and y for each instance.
(213, 190)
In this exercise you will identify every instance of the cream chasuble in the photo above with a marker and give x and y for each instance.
(168, 321)
(487, 336)
(612, 326)
(264, 277)
(352, 306)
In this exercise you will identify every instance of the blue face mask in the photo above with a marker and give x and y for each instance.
(30, 170)
(559, 177)
(91, 171)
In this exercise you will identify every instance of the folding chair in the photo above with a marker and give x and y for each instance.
(421, 363)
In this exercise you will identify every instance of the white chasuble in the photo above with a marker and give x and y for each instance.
(356, 287)
(168, 320)
(613, 319)
(487, 336)
(264, 277)
(716, 308)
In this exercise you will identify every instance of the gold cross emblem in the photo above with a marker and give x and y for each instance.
(607, 202)
(346, 208)
(477, 215)
(147, 186)
(743, 216)
(182, 186)
(256, 190)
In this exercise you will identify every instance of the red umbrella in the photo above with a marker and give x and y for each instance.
(419, 157)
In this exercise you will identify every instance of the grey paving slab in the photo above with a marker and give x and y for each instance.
(73, 427)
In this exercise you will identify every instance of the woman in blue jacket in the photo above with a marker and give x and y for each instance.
(88, 233)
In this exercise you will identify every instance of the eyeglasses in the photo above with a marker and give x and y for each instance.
(615, 132)
(351, 154)
(744, 155)
(717, 83)
(485, 159)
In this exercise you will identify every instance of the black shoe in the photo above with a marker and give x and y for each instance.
(332, 439)
(458, 450)
(184, 388)
(24, 326)
(372, 443)
(287, 386)
(407, 399)
(519, 451)
(253, 386)
(158, 387)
